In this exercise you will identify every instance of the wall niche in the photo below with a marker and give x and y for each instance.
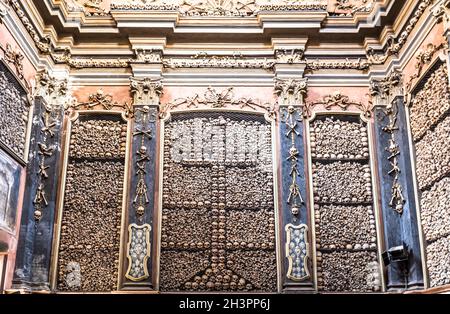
(90, 227)
(345, 228)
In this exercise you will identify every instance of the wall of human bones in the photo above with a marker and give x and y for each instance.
(293, 186)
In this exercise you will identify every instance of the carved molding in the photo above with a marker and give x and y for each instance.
(146, 91)
(291, 92)
(395, 44)
(204, 60)
(384, 91)
(289, 56)
(101, 99)
(220, 7)
(337, 99)
(347, 64)
(215, 99)
(43, 44)
(349, 8)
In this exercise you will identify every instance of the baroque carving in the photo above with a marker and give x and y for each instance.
(350, 7)
(15, 57)
(337, 99)
(289, 56)
(138, 252)
(291, 91)
(385, 90)
(204, 60)
(42, 43)
(146, 91)
(215, 99)
(53, 90)
(395, 44)
(347, 64)
(214, 238)
(105, 101)
(424, 58)
(297, 251)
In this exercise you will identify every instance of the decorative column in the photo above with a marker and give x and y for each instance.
(42, 180)
(294, 215)
(141, 244)
(396, 182)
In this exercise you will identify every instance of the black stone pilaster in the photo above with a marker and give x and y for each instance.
(398, 228)
(34, 249)
(292, 145)
(145, 134)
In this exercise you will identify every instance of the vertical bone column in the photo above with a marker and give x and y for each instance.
(42, 181)
(141, 244)
(396, 182)
(294, 217)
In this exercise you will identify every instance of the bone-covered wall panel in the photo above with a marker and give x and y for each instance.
(337, 139)
(14, 110)
(88, 258)
(348, 271)
(346, 237)
(430, 126)
(433, 155)
(435, 210)
(218, 217)
(430, 103)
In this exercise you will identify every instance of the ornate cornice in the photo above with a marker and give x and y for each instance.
(146, 92)
(204, 60)
(384, 91)
(346, 64)
(43, 44)
(395, 44)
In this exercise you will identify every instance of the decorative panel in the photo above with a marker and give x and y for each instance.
(346, 237)
(91, 217)
(218, 219)
(430, 124)
(14, 109)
